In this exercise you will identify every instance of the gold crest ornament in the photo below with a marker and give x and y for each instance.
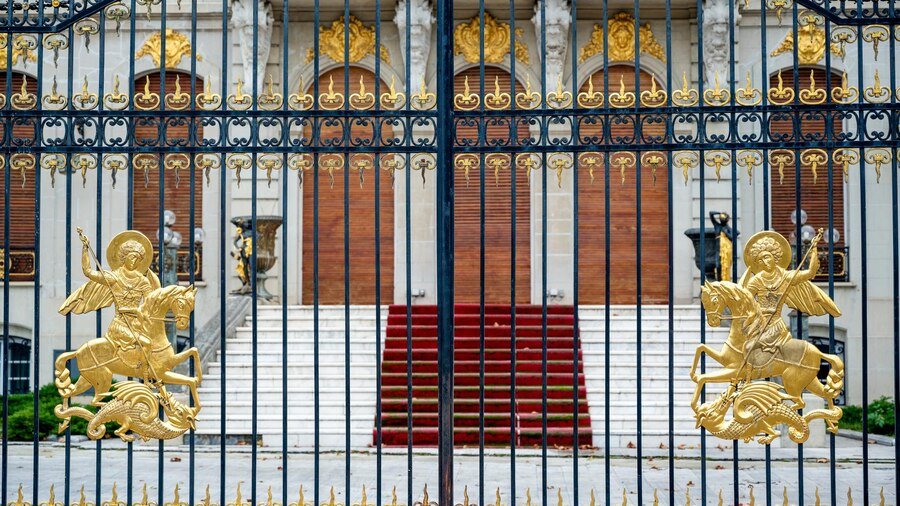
(135, 345)
(760, 345)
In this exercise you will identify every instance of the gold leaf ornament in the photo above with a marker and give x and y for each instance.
(362, 42)
(178, 46)
(468, 43)
(621, 40)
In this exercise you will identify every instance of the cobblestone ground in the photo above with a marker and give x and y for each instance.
(719, 473)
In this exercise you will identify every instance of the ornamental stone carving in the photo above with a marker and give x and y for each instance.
(621, 40)
(177, 47)
(716, 40)
(556, 33)
(420, 22)
(242, 22)
(810, 45)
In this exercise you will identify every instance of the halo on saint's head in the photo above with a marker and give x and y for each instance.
(777, 240)
(112, 251)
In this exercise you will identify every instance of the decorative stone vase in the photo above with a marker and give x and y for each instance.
(266, 227)
(718, 242)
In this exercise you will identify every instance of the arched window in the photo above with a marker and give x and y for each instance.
(177, 191)
(22, 193)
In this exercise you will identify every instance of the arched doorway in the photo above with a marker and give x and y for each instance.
(176, 173)
(497, 211)
(360, 195)
(622, 216)
(815, 198)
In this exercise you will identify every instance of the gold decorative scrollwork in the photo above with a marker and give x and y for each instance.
(23, 100)
(877, 158)
(54, 42)
(778, 6)
(361, 163)
(114, 163)
(814, 158)
(685, 96)
(466, 161)
(178, 100)
(780, 95)
(717, 159)
(362, 99)
(621, 40)
(424, 99)
(497, 162)
(146, 100)
(498, 99)
(591, 160)
(876, 93)
(52, 162)
(655, 96)
(392, 99)
(845, 157)
(749, 159)
(269, 162)
(23, 163)
(623, 160)
(301, 163)
(331, 100)
(717, 95)
(841, 36)
(654, 160)
(86, 28)
(813, 95)
(300, 101)
(239, 101)
(845, 94)
(117, 12)
(391, 164)
(590, 99)
(300, 500)
(330, 163)
(622, 98)
(178, 46)
(239, 497)
(876, 34)
(114, 100)
(559, 98)
(270, 100)
(206, 163)
(748, 95)
(86, 100)
(781, 158)
(176, 162)
(54, 101)
(83, 162)
(238, 162)
(467, 100)
(528, 99)
(467, 41)
(529, 162)
(207, 100)
(362, 42)
(686, 160)
(423, 162)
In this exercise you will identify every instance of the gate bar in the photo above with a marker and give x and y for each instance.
(445, 253)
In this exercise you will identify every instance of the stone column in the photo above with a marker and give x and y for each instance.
(242, 22)
(556, 31)
(716, 41)
(420, 22)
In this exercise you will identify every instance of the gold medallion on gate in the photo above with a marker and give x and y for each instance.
(760, 345)
(135, 345)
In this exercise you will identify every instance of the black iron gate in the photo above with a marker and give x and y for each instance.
(538, 272)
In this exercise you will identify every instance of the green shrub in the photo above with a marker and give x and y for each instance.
(880, 417)
(21, 416)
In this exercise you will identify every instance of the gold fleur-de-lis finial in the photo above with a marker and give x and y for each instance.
(721, 499)
(655, 497)
(238, 497)
(207, 499)
(687, 496)
(270, 501)
(20, 498)
(785, 496)
(82, 500)
(624, 497)
(300, 499)
(364, 500)
(528, 497)
(497, 495)
(425, 500)
(881, 496)
(849, 496)
(394, 501)
(114, 499)
(559, 501)
(752, 499)
(51, 501)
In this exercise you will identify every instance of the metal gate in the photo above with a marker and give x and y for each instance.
(473, 215)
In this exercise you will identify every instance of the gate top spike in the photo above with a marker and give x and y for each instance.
(721, 500)
(655, 497)
(784, 494)
(624, 497)
(849, 496)
(752, 499)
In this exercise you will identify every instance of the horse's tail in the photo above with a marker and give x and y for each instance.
(834, 383)
(63, 379)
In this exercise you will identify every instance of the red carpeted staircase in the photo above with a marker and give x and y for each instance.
(528, 397)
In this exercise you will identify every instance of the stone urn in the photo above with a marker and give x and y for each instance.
(266, 227)
(718, 242)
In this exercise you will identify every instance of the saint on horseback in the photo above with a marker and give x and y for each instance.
(135, 345)
(760, 344)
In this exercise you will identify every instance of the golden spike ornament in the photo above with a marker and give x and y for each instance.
(845, 94)
(818, 499)
(498, 99)
(300, 101)
(528, 497)
(465, 497)
(468, 42)
(497, 498)
(207, 499)
(239, 498)
(239, 101)
(394, 501)
(559, 500)
(466, 100)
(590, 99)
(784, 496)
(528, 99)
(813, 95)
(114, 499)
(270, 501)
(717, 95)
(82, 500)
(208, 100)
(178, 100)
(748, 95)
(559, 98)
(176, 499)
(426, 501)
(876, 93)
(655, 497)
(760, 348)
(655, 96)
(300, 499)
(685, 96)
(849, 496)
(20, 498)
(779, 95)
(621, 40)
(362, 100)
(752, 498)
(423, 100)
(392, 99)
(622, 98)
(135, 345)
(145, 498)
(271, 99)
(51, 500)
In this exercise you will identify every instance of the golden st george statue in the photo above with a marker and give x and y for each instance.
(760, 345)
(135, 345)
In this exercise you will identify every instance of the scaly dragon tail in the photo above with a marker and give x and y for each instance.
(831, 416)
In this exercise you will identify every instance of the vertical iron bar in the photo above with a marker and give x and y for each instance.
(701, 137)
(670, 134)
(377, 124)
(36, 336)
(638, 258)
(576, 335)
(285, 63)
(764, 86)
(445, 252)
(607, 132)
(70, 132)
(482, 141)
(192, 250)
(513, 237)
(223, 190)
(864, 271)
(829, 134)
(408, 266)
(254, 254)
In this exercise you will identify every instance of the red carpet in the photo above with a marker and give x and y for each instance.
(528, 397)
